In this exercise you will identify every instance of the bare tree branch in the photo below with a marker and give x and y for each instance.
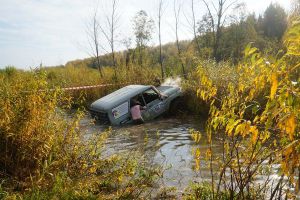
(218, 23)
(109, 28)
(160, 13)
(214, 6)
(194, 28)
(176, 15)
(93, 33)
(225, 10)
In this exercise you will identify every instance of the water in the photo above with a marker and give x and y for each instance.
(166, 142)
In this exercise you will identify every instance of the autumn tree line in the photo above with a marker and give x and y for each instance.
(220, 34)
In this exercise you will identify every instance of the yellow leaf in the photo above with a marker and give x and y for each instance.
(198, 153)
(197, 164)
(196, 135)
(120, 178)
(275, 143)
(208, 154)
(93, 169)
(254, 132)
(291, 126)
(274, 85)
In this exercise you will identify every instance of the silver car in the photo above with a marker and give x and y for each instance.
(115, 107)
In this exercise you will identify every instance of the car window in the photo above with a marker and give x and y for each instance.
(139, 98)
(150, 95)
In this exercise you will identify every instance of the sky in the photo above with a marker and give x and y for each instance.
(53, 32)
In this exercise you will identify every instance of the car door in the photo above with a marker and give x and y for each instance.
(154, 105)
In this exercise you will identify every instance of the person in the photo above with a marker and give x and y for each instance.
(135, 110)
(157, 82)
(161, 95)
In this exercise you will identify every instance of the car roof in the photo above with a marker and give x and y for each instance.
(120, 96)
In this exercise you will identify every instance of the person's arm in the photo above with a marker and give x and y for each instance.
(161, 95)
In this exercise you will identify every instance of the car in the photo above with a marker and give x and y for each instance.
(114, 108)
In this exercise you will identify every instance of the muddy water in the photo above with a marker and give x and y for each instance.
(168, 143)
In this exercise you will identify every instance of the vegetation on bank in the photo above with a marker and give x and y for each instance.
(256, 115)
(44, 154)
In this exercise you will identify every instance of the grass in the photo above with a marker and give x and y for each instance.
(44, 155)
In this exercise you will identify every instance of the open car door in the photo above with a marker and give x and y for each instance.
(155, 106)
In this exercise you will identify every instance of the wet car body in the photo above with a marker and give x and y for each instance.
(115, 107)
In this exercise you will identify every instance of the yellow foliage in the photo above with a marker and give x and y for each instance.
(254, 136)
(274, 85)
(197, 154)
(196, 135)
(208, 154)
(197, 164)
(243, 129)
(251, 110)
(42, 149)
(292, 39)
(289, 126)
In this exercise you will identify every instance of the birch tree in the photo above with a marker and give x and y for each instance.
(93, 31)
(160, 13)
(177, 9)
(143, 27)
(217, 14)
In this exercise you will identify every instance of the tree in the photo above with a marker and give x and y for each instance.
(206, 35)
(296, 7)
(160, 13)
(194, 27)
(240, 32)
(93, 30)
(109, 28)
(127, 43)
(275, 21)
(176, 15)
(143, 27)
(218, 21)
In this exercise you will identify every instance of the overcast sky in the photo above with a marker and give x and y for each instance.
(53, 32)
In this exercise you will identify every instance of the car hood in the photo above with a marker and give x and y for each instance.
(168, 90)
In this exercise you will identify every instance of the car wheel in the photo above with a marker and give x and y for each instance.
(176, 107)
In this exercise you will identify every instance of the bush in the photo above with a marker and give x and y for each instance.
(256, 116)
(46, 155)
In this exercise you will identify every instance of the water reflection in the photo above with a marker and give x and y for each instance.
(166, 142)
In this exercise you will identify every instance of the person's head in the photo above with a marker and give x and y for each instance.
(157, 82)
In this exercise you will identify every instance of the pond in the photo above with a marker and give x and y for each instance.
(166, 142)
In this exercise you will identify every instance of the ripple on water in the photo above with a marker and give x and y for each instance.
(165, 142)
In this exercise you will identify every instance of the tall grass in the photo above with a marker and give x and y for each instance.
(82, 75)
(46, 155)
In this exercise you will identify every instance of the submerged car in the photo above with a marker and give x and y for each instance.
(115, 107)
